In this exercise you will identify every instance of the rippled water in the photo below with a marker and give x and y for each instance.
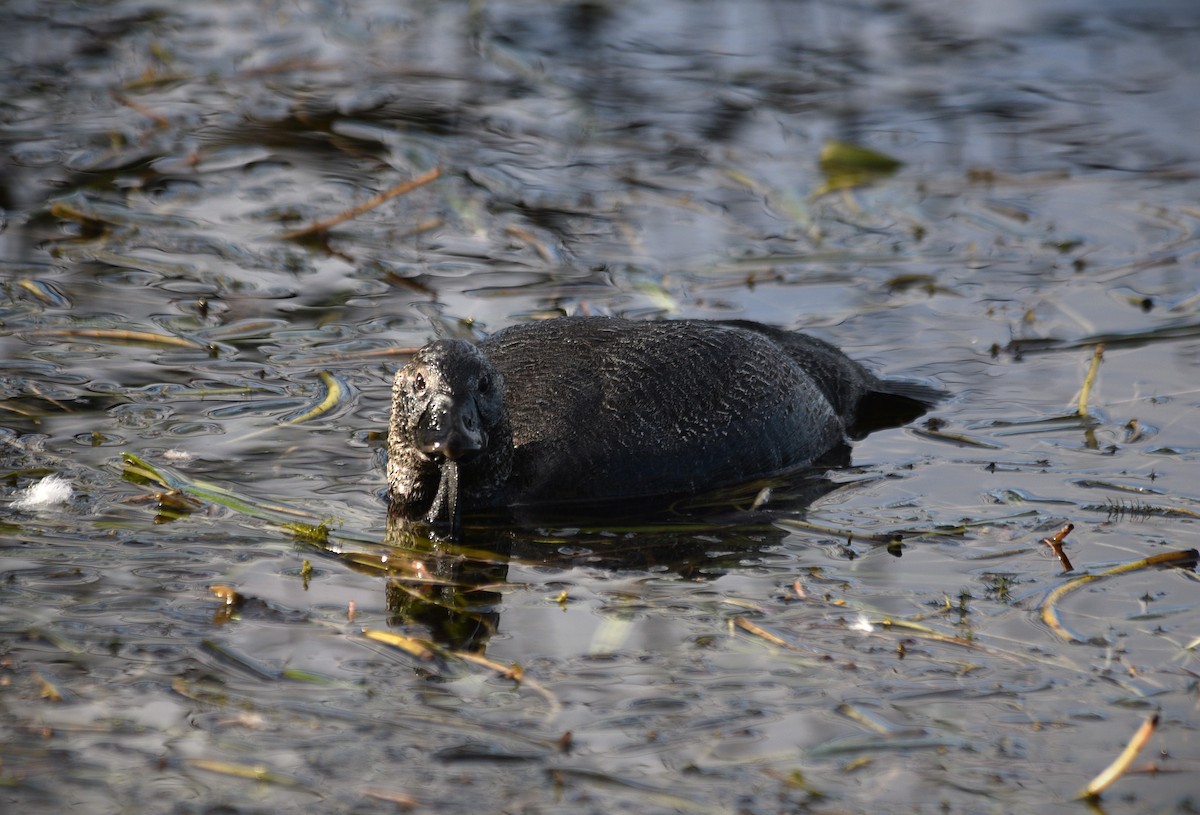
(158, 330)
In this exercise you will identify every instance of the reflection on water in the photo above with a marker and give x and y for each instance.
(454, 592)
(644, 159)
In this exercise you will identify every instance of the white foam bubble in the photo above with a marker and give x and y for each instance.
(51, 490)
(861, 623)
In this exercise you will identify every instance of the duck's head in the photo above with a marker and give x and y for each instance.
(447, 423)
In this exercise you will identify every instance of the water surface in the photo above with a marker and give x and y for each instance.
(654, 160)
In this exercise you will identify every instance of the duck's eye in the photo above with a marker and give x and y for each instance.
(418, 384)
(485, 384)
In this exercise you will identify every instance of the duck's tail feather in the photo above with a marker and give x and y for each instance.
(891, 403)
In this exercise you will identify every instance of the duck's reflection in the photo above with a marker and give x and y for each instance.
(452, 593)
(458, 606)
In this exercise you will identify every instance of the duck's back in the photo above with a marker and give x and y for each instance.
(606, 409)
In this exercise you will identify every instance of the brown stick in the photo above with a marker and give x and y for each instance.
(1055, 542)
(759, 631)
(365, 206)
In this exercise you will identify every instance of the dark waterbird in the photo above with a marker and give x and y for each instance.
(586, 411)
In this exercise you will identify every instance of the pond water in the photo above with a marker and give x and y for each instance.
(202, 608)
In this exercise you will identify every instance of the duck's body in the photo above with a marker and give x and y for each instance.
(594, 409)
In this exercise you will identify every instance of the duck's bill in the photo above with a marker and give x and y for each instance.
(445, 508)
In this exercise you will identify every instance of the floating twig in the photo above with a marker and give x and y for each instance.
(427, 650)
(1115, 770)
(44, 292)
(421, 649)
(335, 391)
(517, 675)
(1090, 379)
(123, 335)
(343, 357)
(252, 772)
(1049, 609)
(1055, 542)
(956, 438)
(417, 229)
(759, 631)
(365, 206)
(396, 797)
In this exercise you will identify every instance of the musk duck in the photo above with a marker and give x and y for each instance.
(606, 411)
